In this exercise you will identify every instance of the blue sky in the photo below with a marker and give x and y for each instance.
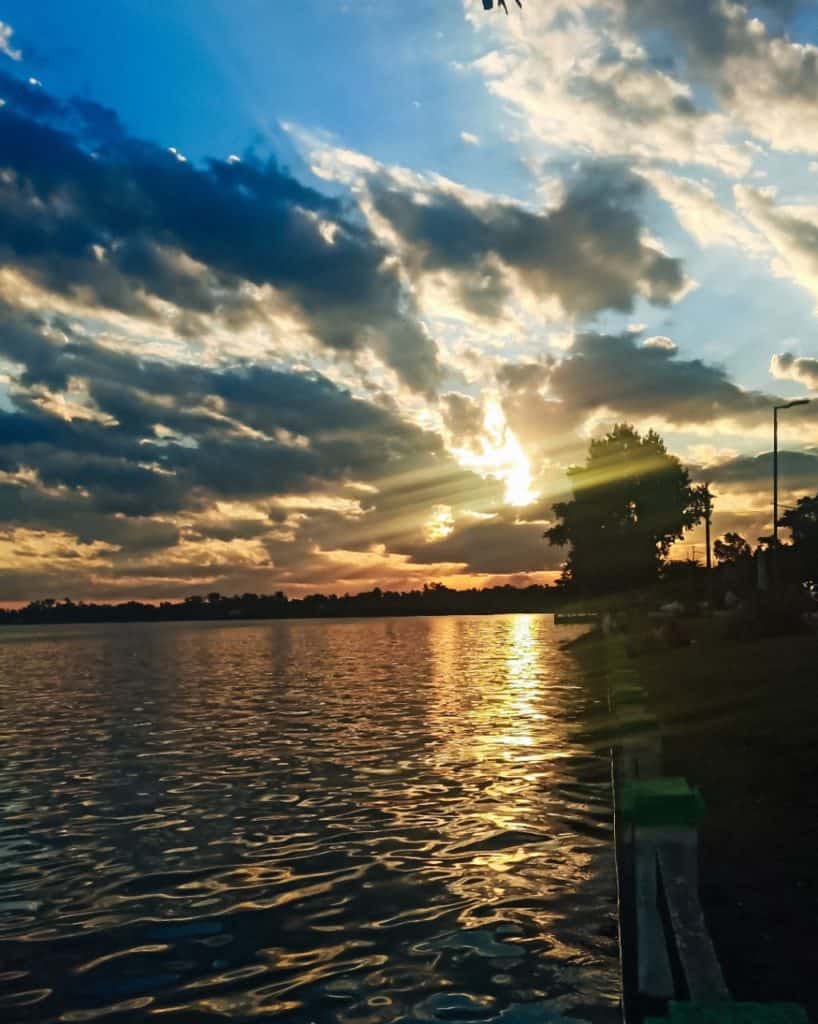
(214, 79)
(486, 238)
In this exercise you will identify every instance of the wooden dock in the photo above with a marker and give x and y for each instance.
(576, 618)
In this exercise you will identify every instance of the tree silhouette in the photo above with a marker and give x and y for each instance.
(433, 599)
(802, 522)
(632, 500)
(732, 549)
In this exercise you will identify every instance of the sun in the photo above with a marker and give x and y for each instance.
(519, 490)
(501, 455)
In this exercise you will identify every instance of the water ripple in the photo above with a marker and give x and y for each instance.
(350, 822)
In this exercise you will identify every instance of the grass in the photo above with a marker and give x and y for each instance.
(740, 720)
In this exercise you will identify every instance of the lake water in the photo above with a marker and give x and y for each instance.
(331, 821)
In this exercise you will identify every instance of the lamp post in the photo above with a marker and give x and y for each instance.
(786, 405)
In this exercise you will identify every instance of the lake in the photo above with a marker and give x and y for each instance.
(312, 821)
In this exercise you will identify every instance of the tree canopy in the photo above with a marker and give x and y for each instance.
(732, 549)
(632, 500)
(802, 521)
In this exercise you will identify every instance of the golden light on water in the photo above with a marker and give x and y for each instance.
(507, 720)
(506, 727)
(522, 662)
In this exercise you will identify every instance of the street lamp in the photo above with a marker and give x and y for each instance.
(786, 405)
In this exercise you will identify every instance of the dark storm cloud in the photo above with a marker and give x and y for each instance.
(587, 252)
(495, 546)
(88, 212)
(547, 406)
(226, 431)
(169, 441)
(69, 512)
(618, 373)
(798, 471)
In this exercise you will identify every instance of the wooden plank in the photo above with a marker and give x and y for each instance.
(655, 978)
(574, 618)
(678, 874)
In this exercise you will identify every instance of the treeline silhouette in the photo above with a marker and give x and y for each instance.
(433, 599)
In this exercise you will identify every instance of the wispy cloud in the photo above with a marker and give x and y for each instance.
(6, 32)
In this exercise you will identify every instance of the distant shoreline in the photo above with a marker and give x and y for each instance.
(237, 620)
(433, 600)
(276, 619)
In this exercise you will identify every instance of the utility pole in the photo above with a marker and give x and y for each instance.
(708, 519)
(776, 408)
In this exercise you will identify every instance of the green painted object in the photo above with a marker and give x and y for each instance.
(660, 802)
(736, 1013)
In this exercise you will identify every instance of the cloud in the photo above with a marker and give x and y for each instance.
(194, 476)
(669, 81)
(6, 32)
(554, 406)
(579, 82)
(119, 224)
(752, 69)
(524, 376)
(587, 252)
(484, 255)
(497, 545)
(243, 427)
(470, 138)
(661, 342)
(700, 212)
(754, 473)
(791, 231)
(804, 370)
(463, 417)
(644, 380)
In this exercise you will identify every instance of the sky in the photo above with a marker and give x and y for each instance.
(327, 295)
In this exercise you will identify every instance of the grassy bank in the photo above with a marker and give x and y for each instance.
(740, 720)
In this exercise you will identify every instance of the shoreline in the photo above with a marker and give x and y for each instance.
(258, 620)
(739, 720)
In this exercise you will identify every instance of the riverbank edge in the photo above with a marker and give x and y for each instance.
(713, 701)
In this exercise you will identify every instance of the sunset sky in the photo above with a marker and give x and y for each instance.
(327, 294)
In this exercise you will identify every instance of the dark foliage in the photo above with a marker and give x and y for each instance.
(802, 522)
(732, 549)
(632, 500)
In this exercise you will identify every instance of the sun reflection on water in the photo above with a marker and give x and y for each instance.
(499, 728)
(389, 818)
